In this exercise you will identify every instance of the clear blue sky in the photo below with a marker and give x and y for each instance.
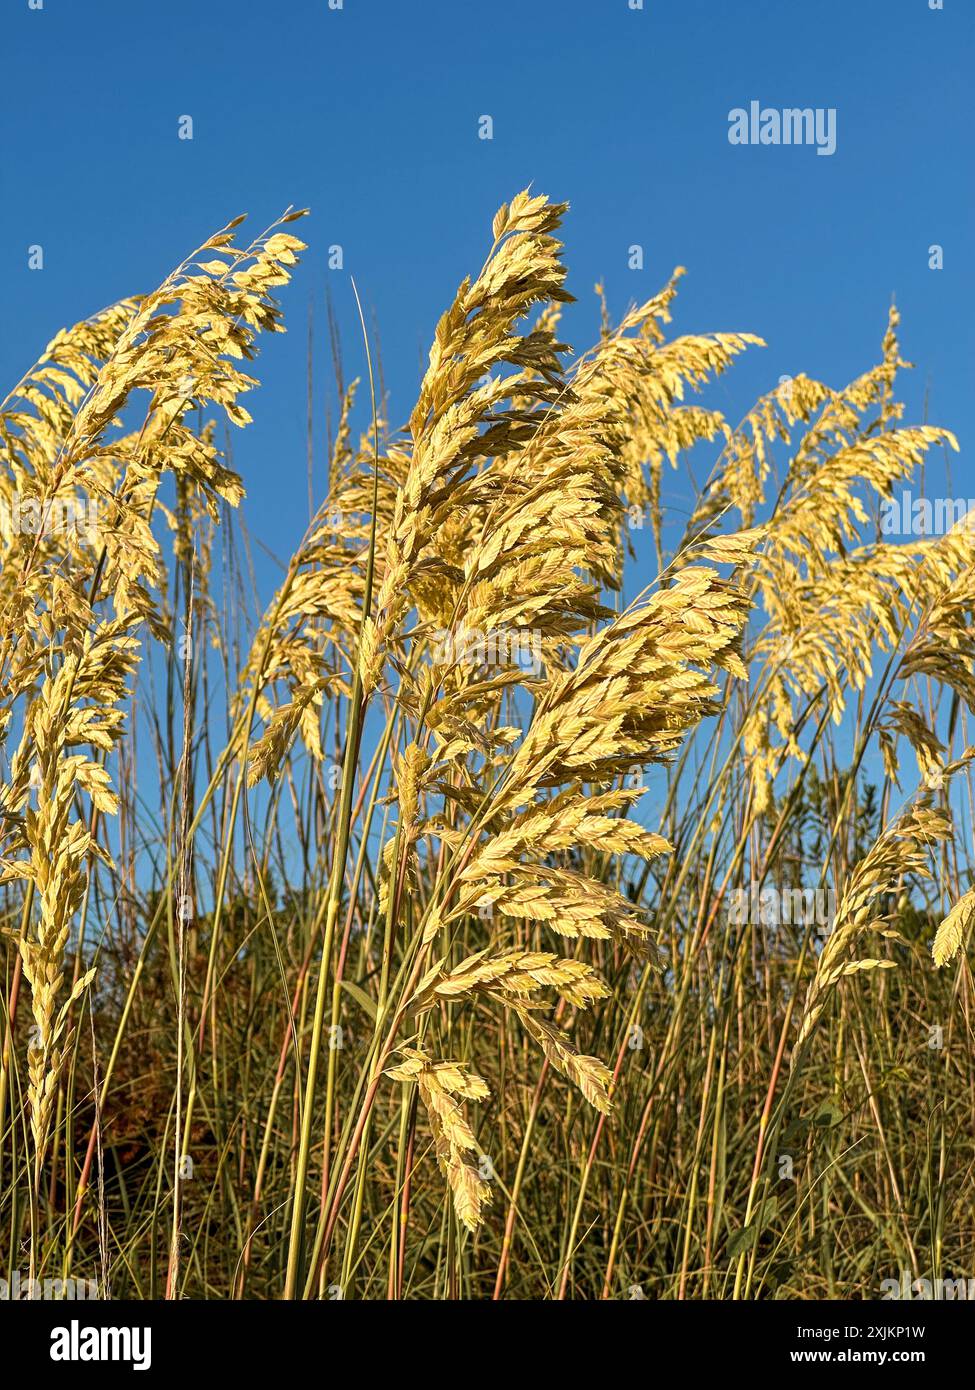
(369, 116)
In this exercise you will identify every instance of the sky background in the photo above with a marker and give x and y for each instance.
(369, 116)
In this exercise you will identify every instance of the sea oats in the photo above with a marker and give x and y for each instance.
(493, 862)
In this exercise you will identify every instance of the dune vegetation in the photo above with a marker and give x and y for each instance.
(463, 929)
